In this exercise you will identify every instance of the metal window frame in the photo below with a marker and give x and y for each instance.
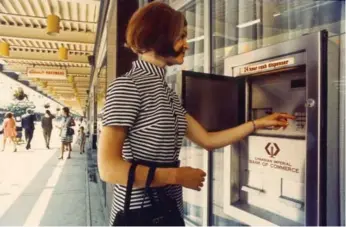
(208, 159)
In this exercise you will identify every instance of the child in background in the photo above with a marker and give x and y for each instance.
(81, 139)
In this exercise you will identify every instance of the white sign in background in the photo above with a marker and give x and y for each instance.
(46, 73)
(278, 156)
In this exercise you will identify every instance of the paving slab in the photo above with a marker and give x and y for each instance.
(37, 189)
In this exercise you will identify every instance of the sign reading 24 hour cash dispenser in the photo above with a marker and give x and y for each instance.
(284, 158)
(265, 66)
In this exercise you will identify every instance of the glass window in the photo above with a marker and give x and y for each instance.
(240, 26)
(194, 14)
(244, 25)
(100, 89)
(219, 218)
(191, 154)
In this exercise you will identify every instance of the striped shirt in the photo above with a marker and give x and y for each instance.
(142, 101)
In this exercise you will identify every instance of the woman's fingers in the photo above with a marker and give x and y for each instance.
(286, 116)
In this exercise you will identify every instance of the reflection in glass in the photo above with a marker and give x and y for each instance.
(219, 218)
(240, 26)
(243, 25)
(191, 155)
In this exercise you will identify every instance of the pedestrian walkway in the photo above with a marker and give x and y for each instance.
(37, 189)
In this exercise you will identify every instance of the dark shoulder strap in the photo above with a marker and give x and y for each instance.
(150, 178)
(147, 190)
(130, 181)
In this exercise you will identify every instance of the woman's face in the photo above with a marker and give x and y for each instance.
(180, 46)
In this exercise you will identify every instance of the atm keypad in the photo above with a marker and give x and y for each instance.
(300, 120)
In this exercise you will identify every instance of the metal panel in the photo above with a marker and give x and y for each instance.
(333, 127)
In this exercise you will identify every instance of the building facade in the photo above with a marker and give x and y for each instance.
(226, 38)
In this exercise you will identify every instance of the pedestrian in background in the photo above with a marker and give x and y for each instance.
(66, 132)
(81, 139)
(28, 124)
(9, 129)
(47, 126)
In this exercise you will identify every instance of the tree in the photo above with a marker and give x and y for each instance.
(19, 94)
(18, 109)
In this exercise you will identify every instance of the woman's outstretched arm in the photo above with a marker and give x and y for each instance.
(213, 140)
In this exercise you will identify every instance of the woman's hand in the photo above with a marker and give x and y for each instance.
(190, 178)
(276, 120)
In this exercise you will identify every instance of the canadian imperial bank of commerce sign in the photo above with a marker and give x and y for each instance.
(284, 158)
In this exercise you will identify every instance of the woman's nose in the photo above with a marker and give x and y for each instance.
(186, 46)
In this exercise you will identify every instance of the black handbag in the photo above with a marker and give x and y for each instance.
(162, 212)
(70, 131)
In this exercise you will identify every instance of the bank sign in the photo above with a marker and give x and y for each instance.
(284, 158)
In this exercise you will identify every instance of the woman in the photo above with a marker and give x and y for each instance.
(66, 132)
(9, 127)
(143, 118)
(81, 139)
(47, 126)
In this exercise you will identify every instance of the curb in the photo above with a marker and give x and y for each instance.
(103, 201)
(87, 196)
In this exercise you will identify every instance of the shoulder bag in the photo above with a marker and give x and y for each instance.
(162, 212)
(70, 131)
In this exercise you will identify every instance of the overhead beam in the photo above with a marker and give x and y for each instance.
(82, 1)
(40, 56)
(51, 49)
(16, 60)
(64, 37)
(21, 68)
(24, 37)
(19, 16)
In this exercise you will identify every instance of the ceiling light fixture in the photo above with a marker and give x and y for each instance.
(63, 53)
(4, 49)
(53, 26)
(70, 79)
(249, 23)
(195, 39)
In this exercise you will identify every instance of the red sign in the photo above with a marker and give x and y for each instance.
(46, 73)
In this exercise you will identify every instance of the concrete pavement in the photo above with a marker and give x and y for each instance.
(37, 189)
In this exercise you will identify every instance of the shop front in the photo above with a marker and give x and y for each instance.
(248, 58)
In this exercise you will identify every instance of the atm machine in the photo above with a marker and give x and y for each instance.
(279, 176)
(275, 176)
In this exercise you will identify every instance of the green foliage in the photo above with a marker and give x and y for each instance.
(19, 109)
(19, 94)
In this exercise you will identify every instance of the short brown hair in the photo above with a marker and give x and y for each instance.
(155, 27)
(8, 115)
(66, 110)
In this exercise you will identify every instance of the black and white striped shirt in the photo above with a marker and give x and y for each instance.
(142, 101)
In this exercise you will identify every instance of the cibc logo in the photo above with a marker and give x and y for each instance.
(272, 149)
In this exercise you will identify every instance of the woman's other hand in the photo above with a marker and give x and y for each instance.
(190, 178)
(276, 120)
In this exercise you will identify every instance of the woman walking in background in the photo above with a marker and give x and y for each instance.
(47, 126)
(67, 132)
(81, 139)
(9, 127)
